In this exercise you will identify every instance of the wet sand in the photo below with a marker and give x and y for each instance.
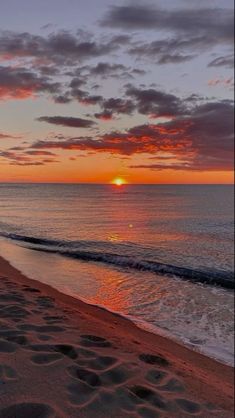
(60, 357)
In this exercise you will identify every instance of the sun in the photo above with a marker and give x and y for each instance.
(118, 181)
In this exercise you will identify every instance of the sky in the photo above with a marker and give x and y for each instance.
(94, 90)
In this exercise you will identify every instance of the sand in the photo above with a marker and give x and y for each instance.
(60, 357)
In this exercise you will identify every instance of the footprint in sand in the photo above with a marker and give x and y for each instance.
(83, 352)
(28, 410)
(126, 400)
(44, 337)
(94, 341)
(54, 318)
(46, 358)
(18, 339)
(30, 289)
(80, 393)
(65, 349)
(7, 347)
(102, 362)
(173, 385)
(41, 328)
(85, 375)
(7, 373)
(45, 301)
(116, 375)
(148, 395)
(188, 406)
(153, 359)
(155, 376)
(148, 413)
(12, 297)
(14, 312)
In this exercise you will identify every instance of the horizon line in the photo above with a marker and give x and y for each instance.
(111, 184)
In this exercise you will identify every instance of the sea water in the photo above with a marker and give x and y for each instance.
(161, 255)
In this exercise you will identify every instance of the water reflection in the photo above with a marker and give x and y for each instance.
(199, 315)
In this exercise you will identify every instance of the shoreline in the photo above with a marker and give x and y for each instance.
(227, 358)
(205, 378)
(145, 327)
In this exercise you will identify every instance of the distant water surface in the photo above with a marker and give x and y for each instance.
(154, 253)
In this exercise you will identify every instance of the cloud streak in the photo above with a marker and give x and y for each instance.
(199, 140)
(69, 122)
(190, 30)
(61, 48)
(215, 23)
(20, 83)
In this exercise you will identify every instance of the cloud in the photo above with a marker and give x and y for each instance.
(213, 22)
(225, 61)
(67, 121)
(189, 30)
(40, 153)
(138, 140)
(155, 102)
(168, 51)
(105, 115)
(199, 140)
(63, 47)
(118, 105)
(8, 136)
(226, 82)
(117, 71)
(19, 83)
(104, 69)
(84, 97)
(23, 157)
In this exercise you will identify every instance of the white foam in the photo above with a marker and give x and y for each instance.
(198, 316)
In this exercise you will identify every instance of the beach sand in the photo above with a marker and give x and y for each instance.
(60, 357)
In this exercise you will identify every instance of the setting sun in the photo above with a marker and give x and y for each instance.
(118, 181)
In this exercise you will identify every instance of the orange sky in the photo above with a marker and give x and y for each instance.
(136, 97)
(70, 173)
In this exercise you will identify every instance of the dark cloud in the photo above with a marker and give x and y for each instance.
(199, 140)
(118, 105)
(61, 48)
(226, 61)
(214, 22)
(23, 159)
(138, 71)
(190, 30)
(67, 121)
(210, 129)
(19, 83)
(84, 97)
(76, 82)
(40, 153)
(174, 58)
(49, 70)
(108, 106)
(168, 51)
(62, 98)
(104, 69)
(141, 139)
(121, 40)
(155, 103)
(105, 115)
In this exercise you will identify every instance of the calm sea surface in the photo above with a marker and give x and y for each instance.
(161, 255)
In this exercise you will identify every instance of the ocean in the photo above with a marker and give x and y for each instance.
(161, 255)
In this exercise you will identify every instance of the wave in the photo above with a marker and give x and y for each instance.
(73, 249)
